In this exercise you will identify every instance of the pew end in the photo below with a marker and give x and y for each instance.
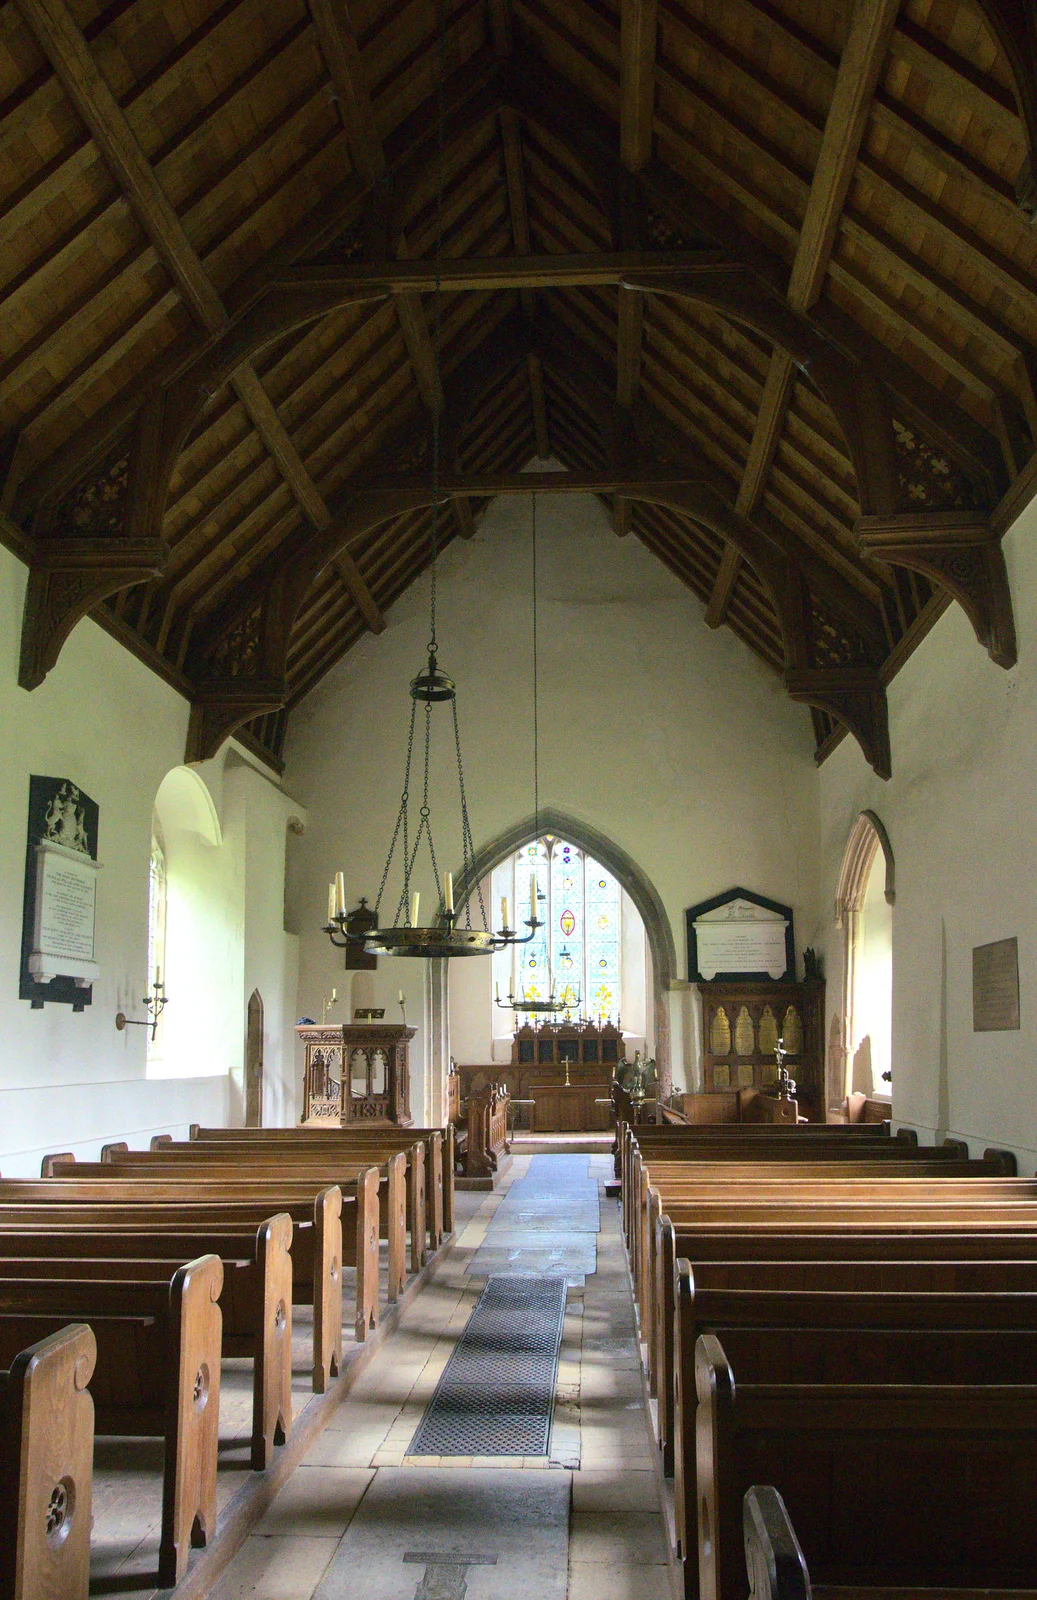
(46, 1463)
(272, 1366)
(367, 1235)
(774, 1563)
(193, 1428)
(49, 1164)
(327, 1288)
(118, 1147)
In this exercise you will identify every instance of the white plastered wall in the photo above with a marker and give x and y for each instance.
(961, 814)
(71, 1081)
(670, 739)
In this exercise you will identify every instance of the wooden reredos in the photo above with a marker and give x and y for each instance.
(760, 273)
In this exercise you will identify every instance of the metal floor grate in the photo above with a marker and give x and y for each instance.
(496, 1395)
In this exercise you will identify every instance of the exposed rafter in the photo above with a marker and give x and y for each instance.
(215, 404)
(871, 23)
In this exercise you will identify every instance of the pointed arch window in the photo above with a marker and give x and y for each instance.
(581, 943)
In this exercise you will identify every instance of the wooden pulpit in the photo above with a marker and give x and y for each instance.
(356, 1072)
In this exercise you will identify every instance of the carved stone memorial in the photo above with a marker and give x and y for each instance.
(58, 917)
(739, 934)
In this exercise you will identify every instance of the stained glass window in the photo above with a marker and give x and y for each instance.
(580, 946)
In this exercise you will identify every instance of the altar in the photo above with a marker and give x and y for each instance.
(571, 1108)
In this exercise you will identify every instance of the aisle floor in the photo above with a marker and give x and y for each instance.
(361, 1516)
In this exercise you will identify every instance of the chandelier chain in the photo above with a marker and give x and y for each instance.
(467, 844)
(437, 337)
(401, 818)
(536, 705)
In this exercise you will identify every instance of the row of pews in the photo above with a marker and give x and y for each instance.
(839, 1337)
(124, 1283)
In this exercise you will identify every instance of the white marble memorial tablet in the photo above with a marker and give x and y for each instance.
(63, 936)
(740, 937)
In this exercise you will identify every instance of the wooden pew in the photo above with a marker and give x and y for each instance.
(320, 1244)
(487, 1131)
(403, 1208)
(342, 1222)
(939, 1495)
(157, 1376)
(820, 1336)
(426, 1160)
(822, 1261)
(46, 1464)
(439, 1161)
(338, 1162)
(255, 1304)
(736, 1184)
(777, 1568)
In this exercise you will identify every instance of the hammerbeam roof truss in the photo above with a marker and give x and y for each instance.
(762, 275)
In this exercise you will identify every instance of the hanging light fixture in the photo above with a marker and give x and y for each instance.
(551, 1005)
(407, 935)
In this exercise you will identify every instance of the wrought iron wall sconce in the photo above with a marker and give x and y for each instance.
(154, 1004)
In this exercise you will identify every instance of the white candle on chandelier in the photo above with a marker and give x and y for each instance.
(340, 892)
(497, 992)
(332, 901)
(415, 901)
(533, 898)
(401, 997)
(448, 892)
(504, 911)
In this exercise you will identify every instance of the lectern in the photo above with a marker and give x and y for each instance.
(356, 1072)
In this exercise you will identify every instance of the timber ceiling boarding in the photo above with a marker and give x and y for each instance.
(760, 273)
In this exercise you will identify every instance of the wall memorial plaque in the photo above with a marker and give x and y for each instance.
(58, 912)
(740, 935)
(995, 987)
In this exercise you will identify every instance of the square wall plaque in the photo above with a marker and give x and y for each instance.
(995, 987)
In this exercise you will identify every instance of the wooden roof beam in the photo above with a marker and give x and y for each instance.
(275, 436)
(334, 24)
(60, 38)
(67, 49)
(870, 27)
(341, 52)
(637, 30)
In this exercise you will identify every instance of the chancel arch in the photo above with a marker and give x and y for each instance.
(864, 912)
(633, 880)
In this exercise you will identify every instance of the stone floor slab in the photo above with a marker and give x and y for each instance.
(415, 1521)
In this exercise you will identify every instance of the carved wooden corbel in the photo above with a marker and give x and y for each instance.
(92, 542)
(959, 551)
(222, 705)
(856, 697)
(67, 578)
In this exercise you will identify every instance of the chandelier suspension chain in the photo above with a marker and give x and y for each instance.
(439, 934)
(437, 336)
(467, 844)
(536, 706)
(401, 819)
